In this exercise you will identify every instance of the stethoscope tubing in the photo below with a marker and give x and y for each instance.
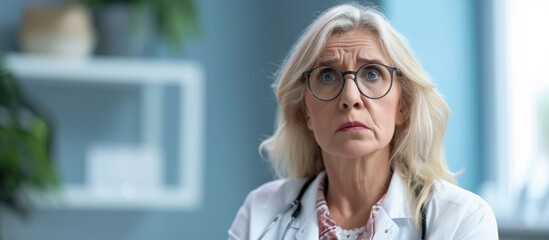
(295, 204)
(276, 219)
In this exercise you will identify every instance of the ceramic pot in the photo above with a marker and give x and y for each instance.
(61, 31)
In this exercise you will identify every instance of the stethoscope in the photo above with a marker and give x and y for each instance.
(296, 205)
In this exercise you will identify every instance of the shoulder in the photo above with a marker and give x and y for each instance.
(461, 212)
(281, 189)
(452, 195)
(274, 192)
(449, 196)
(261, 205)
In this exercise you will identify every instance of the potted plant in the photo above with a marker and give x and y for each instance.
(25, 159)
(132, 21)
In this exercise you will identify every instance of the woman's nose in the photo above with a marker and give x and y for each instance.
(350, 94)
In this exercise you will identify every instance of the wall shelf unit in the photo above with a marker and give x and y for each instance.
(150, 76)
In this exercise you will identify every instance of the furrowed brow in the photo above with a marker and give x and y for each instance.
(333, 61)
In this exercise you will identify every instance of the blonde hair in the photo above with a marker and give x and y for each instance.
(417, 145)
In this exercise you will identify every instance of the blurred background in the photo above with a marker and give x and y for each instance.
(146, 116)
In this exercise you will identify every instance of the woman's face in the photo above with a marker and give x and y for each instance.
(352, 125)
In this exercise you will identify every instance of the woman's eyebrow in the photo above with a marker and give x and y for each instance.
(370, 61)
(327, 61)
(332, 61)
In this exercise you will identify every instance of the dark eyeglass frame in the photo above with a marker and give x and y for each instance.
(391, 69)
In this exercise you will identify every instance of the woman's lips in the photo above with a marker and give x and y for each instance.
(352, 126)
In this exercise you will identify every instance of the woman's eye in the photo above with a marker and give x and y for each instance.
(372, 75)
(327, 77)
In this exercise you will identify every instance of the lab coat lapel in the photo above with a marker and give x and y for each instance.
(384, 226)
(396, 202)
(307, 223)
(395, 220)
(395, 205)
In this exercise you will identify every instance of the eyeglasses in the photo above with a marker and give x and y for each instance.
(374, 81)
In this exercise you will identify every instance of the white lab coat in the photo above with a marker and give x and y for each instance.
(452, 213)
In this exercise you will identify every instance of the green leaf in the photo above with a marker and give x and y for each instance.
(39, 129)
(25, 160)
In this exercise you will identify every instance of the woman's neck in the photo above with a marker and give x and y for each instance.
(354, 186)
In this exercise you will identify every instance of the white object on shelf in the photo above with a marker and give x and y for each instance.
(151, 75)
(117, 170)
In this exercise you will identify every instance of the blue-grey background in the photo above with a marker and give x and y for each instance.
(241, 45)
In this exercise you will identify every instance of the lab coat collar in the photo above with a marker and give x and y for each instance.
(394, 206)
(307, 223)
(385, 227)
(396, 202)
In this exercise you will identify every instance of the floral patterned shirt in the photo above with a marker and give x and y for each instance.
(328, 230)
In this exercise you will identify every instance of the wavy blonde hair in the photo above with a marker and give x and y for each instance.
(417, 145)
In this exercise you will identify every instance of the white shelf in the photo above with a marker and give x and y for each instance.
(80, 197)
(151, 75)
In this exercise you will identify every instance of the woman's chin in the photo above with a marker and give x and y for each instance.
(354, 151)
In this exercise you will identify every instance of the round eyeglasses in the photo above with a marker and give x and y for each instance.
(373, 80)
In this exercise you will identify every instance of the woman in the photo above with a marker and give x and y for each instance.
(360, 118)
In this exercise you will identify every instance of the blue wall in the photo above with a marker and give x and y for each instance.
(444, 36)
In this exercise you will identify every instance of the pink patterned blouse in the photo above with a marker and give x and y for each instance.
(328, 230)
